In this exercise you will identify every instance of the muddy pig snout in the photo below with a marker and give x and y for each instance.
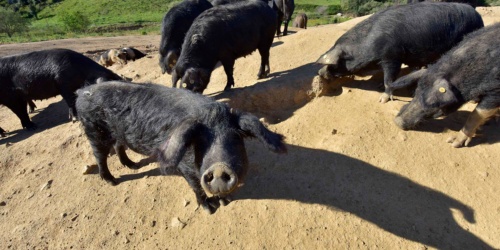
(219, 179)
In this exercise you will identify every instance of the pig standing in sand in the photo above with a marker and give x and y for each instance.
(413, 34)
(470, 71)
(174, 125)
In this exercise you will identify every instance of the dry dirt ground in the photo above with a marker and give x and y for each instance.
(351, 178)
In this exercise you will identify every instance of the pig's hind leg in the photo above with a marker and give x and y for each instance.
(122, 155)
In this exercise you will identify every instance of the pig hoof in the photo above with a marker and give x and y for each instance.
(111, 180)
(262, 75)
(223, 201)
(459, 140)
(385, 98)
(228, 87)
(208, 209)
(210, 205)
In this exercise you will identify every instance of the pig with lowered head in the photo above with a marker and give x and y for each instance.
(468, 72)
(225, 33)
(414, 34)
(174, 27)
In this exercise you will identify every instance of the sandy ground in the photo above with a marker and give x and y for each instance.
(351, 178)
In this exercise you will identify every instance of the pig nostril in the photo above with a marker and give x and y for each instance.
(225, 177)
(208, 177)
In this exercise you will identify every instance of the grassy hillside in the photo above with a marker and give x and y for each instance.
(104, 12)
(122, 17)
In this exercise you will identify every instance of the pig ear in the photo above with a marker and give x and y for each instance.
(251, 126)
(175, 78)
(171, 152)
(443, 89)
(408, 80)
(331, 57)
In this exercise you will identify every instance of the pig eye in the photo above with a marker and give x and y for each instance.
(184, 85)
(171, 65)
(191, 81)
(442, 90)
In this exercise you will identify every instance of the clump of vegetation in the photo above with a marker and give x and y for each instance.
(75, 21)
(11, 23)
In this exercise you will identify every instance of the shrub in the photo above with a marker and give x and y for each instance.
(75, 21)
(11, 22)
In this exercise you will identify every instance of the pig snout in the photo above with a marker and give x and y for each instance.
(219, 180)
(325, 73)
(401, 123)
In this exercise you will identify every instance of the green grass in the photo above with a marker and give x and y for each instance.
(318, 2)
(319, 12)
(102, 12)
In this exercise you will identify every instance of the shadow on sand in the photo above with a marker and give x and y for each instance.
(392, 202)
(52, 116)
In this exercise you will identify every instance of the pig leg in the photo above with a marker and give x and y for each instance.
(476, 119)
(32, 106)
(228, 65)
(264, 63)
(280, 21)
(101, 153)
(18, 106)
(208, 204)
(285, 29)
(120, 151)
(70, 99)
(2, 132)
(391, 71)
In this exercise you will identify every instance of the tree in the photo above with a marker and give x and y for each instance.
(11, 22)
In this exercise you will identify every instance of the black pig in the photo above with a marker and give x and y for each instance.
(174, 27)
(132, 54)
(285, 10)
(225, 33)
(174, 125)
(415, 34)
(300, 21)
(44, 74)
(470, 71)
(222, 2)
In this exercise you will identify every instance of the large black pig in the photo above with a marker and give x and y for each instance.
(415, 34)
(284, 10)
(222, 2)
(225, 33)
(174, 125)
(43, 74)
(468, 72)
(174, 27)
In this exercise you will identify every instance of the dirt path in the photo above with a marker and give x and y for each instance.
(351, 178)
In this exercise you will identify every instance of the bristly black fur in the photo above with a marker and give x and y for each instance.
(229, 31)
(174, 27)
(415, 35)
(43, 74)
(173, 124)
(469, 71)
